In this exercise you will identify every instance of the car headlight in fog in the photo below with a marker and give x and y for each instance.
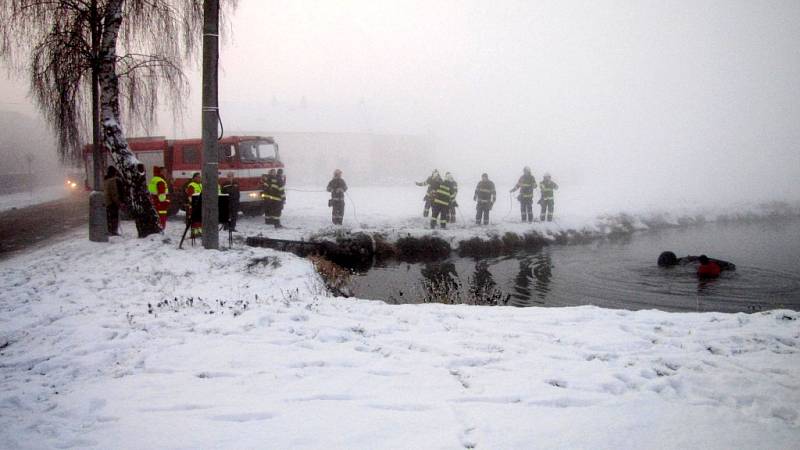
(253, 195)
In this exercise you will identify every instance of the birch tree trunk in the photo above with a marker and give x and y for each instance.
(138, 198)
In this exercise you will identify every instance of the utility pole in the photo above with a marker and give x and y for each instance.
(210, 120)
(98, 228)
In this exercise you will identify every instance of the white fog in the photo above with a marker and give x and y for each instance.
(666, 100)
(311, 312)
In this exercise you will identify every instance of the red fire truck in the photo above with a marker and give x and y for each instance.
(248, 157)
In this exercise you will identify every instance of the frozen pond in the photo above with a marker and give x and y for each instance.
(619, 273)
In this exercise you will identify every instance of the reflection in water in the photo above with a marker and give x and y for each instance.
(705, 286)
(542, 265)
(522, 282)
(482, 280)
(482, 287)
(440, 283)
(534, 274)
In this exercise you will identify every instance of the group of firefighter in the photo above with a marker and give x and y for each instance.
(227, 186)
(273, 193)
(440, 199)
(159, 197)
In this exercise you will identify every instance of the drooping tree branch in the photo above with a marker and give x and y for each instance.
(60, 38)
(165, 31)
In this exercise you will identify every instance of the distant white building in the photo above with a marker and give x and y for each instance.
(311, 157)
(315, 139)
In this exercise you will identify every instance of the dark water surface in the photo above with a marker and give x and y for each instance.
(619, 273)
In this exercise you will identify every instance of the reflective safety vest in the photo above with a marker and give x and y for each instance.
(197, 188)
(485, 192)
(442, 194)
(547, 188)
(272, 189)
(526, 185)
(153, 188)
(453, 187)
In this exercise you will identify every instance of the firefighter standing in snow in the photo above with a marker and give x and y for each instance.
(441, 198)
(274, 197)
(526, 185)
(485, 195)
(282, 189)
(337, 187)
(547, 200)
(158, 195)
(428, 195)
(451, 210)
(193, 187)
(231, 187)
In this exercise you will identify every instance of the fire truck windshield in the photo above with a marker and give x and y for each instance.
(254, 151)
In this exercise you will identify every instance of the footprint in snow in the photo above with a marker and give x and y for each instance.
(97, 404)
(786, 414)
(323, 397)
(215, 375)
(387, 373)
(463, 379)
(410, 407)
(500, 400)
(76, 443)
(173, 408)
(564, 402)
(472, 362)
(243, 417)
(467, 440)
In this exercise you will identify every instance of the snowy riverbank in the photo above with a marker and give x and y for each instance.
(135, 344)
(396, 212)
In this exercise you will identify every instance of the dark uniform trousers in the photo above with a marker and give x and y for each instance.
(484, 206)
(272, 211)
(440, 204)
(526, 208)
(337, 215)
(439, 213)
(233, 203)
(547, 209)
(274, 198)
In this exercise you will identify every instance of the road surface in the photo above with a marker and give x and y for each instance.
(23, 228)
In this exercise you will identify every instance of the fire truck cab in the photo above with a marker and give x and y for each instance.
(247, 157)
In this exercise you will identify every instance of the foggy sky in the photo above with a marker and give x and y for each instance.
(648, 96)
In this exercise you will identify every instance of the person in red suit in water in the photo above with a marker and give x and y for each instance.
(708, 268)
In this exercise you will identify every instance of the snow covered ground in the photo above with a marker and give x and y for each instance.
(39, 195)
(135, 344)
